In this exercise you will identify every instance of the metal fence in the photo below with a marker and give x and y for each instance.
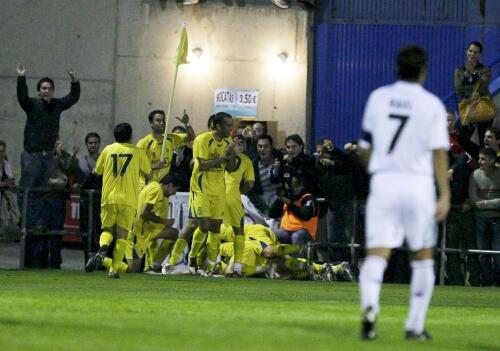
(353, 246)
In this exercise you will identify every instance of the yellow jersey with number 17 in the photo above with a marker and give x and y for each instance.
(120, 164)
(209, 182)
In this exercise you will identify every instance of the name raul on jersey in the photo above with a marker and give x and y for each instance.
(404, 104)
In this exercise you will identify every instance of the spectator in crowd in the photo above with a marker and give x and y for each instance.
(471, 75)
(182, 161)
(9, 210)
(251, 136)
(267, 174)
(297, 161)
(335, 175)
(87, 180)
(40, 134)
(484, 198)
(490, 140)
(299, 212)
(460, 228)
(6, 176)
(361, 178)
(47, 246)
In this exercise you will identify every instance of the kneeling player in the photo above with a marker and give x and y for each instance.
(151, 223)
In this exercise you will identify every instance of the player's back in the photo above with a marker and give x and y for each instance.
(406, 123)
(120, 164)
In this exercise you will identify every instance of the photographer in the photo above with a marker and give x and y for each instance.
(298, 210)
(302, 164)
(336, 177)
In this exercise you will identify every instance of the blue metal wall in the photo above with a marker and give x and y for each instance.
(354, 55)
(354, 59)
(409, 10)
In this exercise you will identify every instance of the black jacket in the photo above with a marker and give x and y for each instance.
(42, 124)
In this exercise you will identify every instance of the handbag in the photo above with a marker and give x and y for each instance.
(480, 109)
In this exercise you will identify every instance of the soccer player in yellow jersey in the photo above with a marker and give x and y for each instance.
(239, 181)
(120, 164)
(262, 248)
(151, 222)
(153, 143)
(212, 154)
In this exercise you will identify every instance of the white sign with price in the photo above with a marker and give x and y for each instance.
(237, 102)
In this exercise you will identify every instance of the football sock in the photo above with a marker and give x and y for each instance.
(197, 243)
(370, 282)
(239, 248)
(105, 239)
(150, 253)
(286, 249)
(162, 251)
(107, 264)
(179, 247)
(295, 264)
(317, 267)
(213, 245)
(336, 268)
(118, 253)
(422, 284)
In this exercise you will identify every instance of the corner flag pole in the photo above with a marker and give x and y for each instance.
(181, 58)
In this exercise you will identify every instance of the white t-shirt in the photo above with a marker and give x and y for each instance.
(403, 123)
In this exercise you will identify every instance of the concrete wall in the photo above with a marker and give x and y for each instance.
(123, 50)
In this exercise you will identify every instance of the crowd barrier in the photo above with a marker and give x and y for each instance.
(178, 210)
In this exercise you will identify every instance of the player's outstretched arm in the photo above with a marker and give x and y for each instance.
(440, 160)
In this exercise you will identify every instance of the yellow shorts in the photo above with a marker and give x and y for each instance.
(119, 215)
(206, 206)
(234, 213)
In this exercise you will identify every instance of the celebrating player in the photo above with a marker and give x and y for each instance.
(240, 181)
(213, 154)
(120, 164)
(151, 222)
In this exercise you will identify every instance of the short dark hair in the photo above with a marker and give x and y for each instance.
(171, 178)
(478, 44)
(155, 112)
(410, 62)
(123, 133)
(218, 118)
(179, 129)
(489, 153)
(266, 137)
(495, 131)
(45, 80)
(4, 144)
(295, 138)
(92, 135)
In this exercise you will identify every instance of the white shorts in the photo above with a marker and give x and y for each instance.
(401, 207)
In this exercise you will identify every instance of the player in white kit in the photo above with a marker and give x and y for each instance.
(405, 141)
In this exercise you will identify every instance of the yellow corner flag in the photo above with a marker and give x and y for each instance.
(182, 49)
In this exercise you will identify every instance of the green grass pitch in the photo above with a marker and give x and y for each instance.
(71, 310)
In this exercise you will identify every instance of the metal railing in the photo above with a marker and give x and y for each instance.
(352, 245)
(440, 249)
